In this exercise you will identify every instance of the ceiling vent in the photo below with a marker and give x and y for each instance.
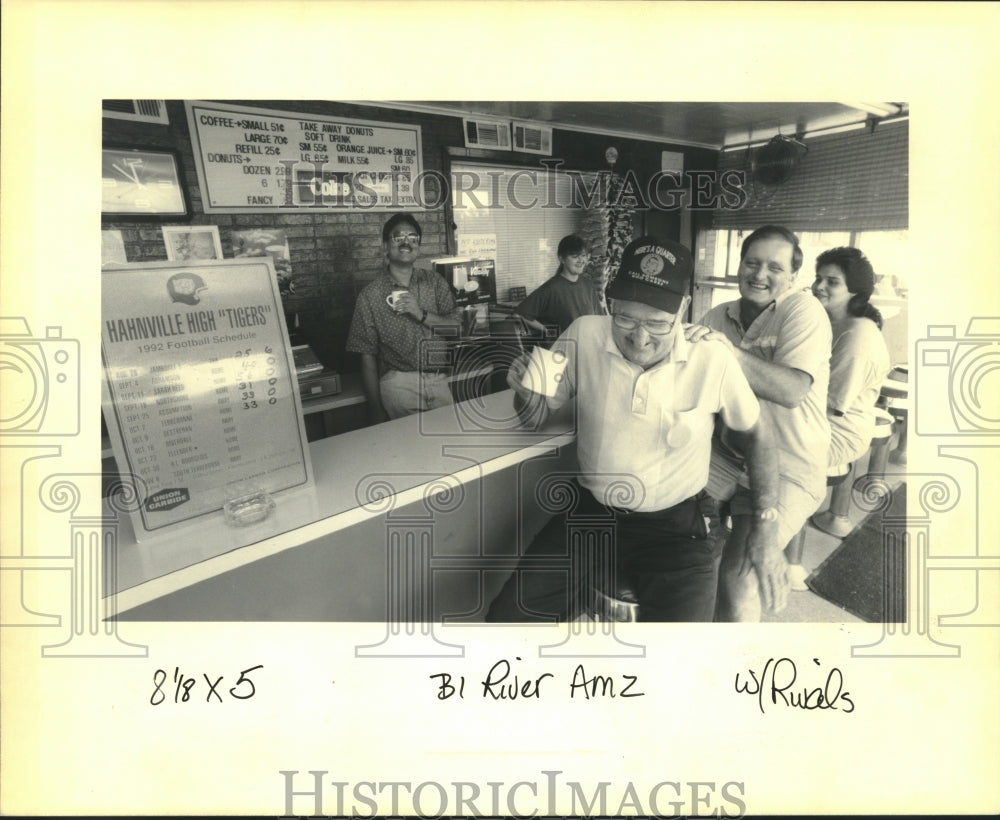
(486, 134)
(136, 110)
(532, 139)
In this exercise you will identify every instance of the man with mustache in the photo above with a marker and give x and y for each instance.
(781, 337)
(391, 338)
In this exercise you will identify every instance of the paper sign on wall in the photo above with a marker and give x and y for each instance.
(478, 245)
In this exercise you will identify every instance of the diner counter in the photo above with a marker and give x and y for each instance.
(455, 488)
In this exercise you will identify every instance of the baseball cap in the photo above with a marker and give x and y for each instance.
(656, 272)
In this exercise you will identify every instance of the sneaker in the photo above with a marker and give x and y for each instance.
(797, 575)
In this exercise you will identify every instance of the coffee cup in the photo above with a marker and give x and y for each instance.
(393, 298)
(544, 372)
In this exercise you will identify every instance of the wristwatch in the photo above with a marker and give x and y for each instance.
(767, 514)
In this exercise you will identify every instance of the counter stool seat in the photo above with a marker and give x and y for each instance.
(833, 521)
(835, 476)
(881, 440)
(899, 409)
(894, 397)
(621, 607)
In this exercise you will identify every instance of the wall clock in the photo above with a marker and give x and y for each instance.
(141, 183)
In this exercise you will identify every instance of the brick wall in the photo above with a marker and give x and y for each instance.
(333, 255)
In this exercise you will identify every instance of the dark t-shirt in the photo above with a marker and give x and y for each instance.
(557, 301)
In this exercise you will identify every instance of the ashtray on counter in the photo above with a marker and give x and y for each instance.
(247, 505)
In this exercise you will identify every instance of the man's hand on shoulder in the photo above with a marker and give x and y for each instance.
(701, 333)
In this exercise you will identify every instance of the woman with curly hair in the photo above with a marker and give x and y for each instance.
(859, 363)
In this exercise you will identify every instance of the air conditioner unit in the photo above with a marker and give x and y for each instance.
(486, 134)
(136, 110)
(531, 138)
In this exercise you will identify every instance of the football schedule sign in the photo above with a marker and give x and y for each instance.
(200, 393)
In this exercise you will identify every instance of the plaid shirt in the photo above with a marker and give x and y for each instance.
(394, 338)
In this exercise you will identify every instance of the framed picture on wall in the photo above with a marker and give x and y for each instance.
(192, 243)
(141, 183)
(273, 243)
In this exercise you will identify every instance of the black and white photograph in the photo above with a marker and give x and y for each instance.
(757, 230)
(411, 445)
(186, 244)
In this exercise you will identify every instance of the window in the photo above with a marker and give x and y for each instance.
(715, 275)
(526, 210)
(885, 249)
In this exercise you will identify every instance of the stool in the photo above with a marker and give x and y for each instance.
(899, 410)
(834, 520)
(879, 453)
(894, 396)
(835, 476)
(621, 607)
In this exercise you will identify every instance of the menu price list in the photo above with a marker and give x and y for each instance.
(253, 159)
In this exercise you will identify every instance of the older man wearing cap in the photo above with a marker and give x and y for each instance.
(781, 337)
(646, 407)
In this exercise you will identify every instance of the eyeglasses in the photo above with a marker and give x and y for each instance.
(400, 238)
(654, 327)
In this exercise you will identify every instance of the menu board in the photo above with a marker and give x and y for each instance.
(256, 159)
(200, 394)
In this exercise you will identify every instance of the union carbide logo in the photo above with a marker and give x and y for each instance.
(185, 287)
(167, 499)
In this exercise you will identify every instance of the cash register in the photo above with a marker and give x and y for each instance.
(315, 381)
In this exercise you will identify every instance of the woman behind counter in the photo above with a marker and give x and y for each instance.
(859, 363)
(568, 295)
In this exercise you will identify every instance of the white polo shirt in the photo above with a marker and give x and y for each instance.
(644, 436)
(793, 331)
